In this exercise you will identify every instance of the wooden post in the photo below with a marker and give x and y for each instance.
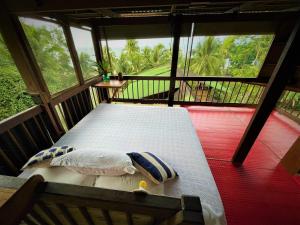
(291, 160)
(191, 213)
(13, 211)
(96, 42)
(176, 31)
(284, 69)
(73, 52)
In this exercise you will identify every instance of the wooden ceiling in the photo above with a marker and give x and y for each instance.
(78, 9)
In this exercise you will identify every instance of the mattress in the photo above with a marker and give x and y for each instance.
(164, 131)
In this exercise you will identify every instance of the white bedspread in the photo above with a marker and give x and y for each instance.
(167, 132)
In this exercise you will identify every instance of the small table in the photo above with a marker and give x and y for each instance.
(114, 84)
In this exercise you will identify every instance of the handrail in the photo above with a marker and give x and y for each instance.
(15, 120)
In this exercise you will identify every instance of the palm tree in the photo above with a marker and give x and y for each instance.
(207, 58)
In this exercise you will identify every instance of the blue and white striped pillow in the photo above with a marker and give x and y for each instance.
(152, 167)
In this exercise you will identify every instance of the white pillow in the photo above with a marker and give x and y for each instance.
(129, 183)
(96, 162)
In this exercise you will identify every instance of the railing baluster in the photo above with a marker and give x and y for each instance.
(238, 92)
(164, 93)
(196, 94)
(249, 96)
(220, 91)
(245, 92)
(143, 89)
(191, 90)
(153, 93)
(137, 88)
(202, 86)
(127, 89)
(228, 84)
(230, 98)
(148, 82)
(208, 92)
(132, 89)
(214, 89)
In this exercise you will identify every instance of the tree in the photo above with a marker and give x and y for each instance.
(12, 88)
(206, 58)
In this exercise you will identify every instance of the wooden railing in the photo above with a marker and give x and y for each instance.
(22, 136)
(289, 104)
(191, 90)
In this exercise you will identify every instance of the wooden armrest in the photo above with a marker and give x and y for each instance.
(21, 202)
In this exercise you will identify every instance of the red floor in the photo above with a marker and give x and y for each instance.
(260, 192)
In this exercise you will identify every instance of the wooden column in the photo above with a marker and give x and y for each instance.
(96, 42)
(176, 31)
(291, 160)
(191, 213)
(284, 69)
(73, 52)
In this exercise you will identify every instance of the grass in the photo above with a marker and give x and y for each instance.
(144, 88)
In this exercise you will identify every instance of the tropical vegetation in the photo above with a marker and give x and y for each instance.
(238, 56)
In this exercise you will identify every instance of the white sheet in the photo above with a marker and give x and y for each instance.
(167, 132)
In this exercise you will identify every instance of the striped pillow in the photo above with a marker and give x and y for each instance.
(152, 167)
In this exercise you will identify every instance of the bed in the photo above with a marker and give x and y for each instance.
(167, 132)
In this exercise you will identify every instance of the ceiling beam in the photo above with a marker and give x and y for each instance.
(34, 6)
(205, 18)
(283, 71)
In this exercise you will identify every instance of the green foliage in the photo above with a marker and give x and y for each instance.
(12, 98)
(50, 49)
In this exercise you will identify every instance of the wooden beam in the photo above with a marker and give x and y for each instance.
(284, 69)
(31, 6)
(176, 31)
(73, 52)
(274, 17)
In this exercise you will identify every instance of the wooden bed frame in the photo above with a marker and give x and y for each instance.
(35, 202)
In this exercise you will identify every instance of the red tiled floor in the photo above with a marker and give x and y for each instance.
(260, 192)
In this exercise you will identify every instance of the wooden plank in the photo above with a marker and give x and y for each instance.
(284, 69)
(21, 202)
(176, 31)
(86, 215)
(291, 160)
(73, 52)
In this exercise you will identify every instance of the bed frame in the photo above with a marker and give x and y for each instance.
(35, 202)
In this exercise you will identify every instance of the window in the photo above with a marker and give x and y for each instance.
(50, 49)
(144, 57)
(84, 45)
(12, 97)
(232, 55)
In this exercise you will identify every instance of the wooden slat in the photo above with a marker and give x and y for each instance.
(17, 144)
(284, 69)
(67, 214)
(38, 217)
(129, 219)
(86, 215)
(107, 217)
(31, 139)
(10, 165)
(49, 213)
